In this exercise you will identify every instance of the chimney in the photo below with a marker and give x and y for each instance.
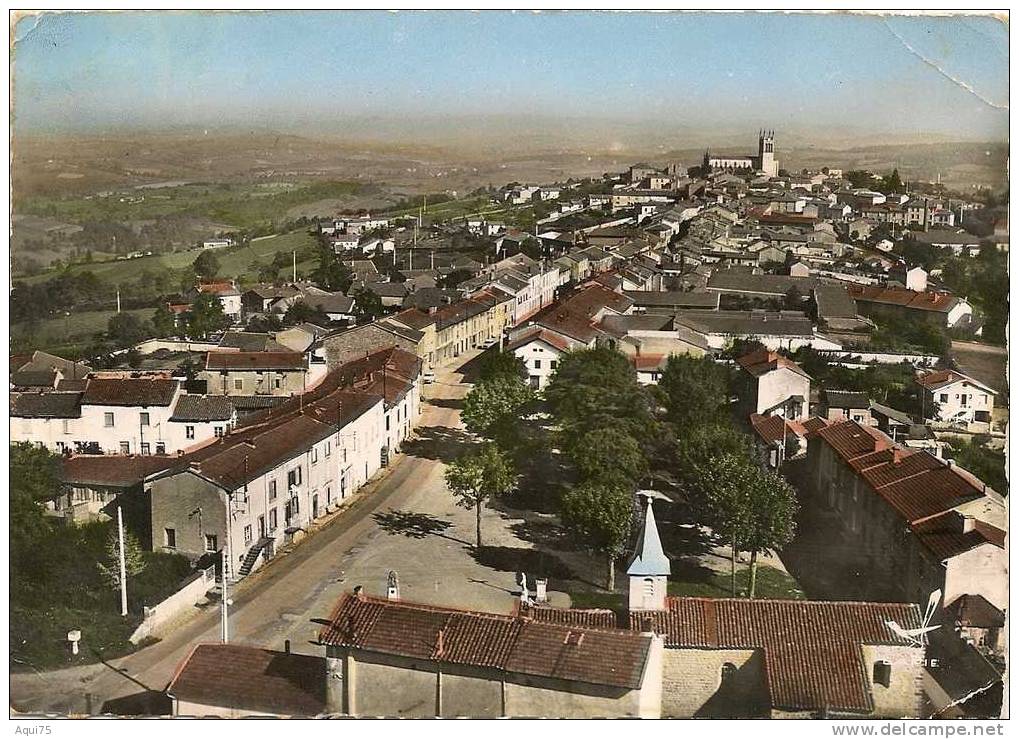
(439, 647)
(286, 646)
(647, 625)
(968, 524)
(897, 456)
(359, 592)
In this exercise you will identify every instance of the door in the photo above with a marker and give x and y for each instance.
(314, 506)
(261, 527)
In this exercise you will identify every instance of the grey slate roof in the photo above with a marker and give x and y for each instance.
(760, 323)
(203, 408)
(774, 285)
(846, 399)
(672, 299)
(46, 405)
(833, 301)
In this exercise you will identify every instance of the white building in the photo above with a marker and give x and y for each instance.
(954, 398)
(778, 386)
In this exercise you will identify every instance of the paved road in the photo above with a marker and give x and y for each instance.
(405, 521)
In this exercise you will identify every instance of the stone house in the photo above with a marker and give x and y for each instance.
(259, 373)
(386, 657)
(846, 405)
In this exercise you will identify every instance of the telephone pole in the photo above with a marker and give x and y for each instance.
(123, 562)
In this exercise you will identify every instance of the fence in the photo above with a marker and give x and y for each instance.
(190, 591)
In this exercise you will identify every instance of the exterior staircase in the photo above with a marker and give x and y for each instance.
(252, 556)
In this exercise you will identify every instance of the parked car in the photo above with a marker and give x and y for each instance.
(428, 377)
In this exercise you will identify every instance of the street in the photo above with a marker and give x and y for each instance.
(405, 520)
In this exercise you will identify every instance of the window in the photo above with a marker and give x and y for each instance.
(272, 490)
(295, 505)
(329, 447)
(272, 519)
(247, 534)
(728, 673)
(239, 384)
(143, 418)
(211, 543)
(108, 420)
(314, 455)
(160, 447)
(189, 432)
(146, 449)
(125, 447)
(218, 430)
(67, 425)
(943, 398)
(883, 673)
(552, 364)
(537, 364)
(387, 422)
(329, 495)
(278, 383)
(294, 477)
(170, 538)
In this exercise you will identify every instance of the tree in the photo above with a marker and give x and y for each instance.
(477, 477)
(454, 278)
(134, 559)
(268, 273)
(609, 456)
(206, 264)
(492, 409)
(332, 274)
(163, 322)
(126, 329)
(34, 478)
(301, 312)
(793, 299)
(206, 316)
(598, 388)
(725, 484)
(696, 452)
(893, 183)
(493, 364)
(367, 304)
(695, 389)
(770, 523)
(599, 514)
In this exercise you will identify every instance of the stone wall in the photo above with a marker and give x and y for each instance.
(692, 685)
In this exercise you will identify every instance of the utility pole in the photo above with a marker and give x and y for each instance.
(224, 603)
(123, 562)
(118, 299)
(295, 265)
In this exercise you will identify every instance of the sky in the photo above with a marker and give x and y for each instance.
(96, 71)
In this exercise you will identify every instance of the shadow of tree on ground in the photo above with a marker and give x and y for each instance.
(438, 443)
(414, 525)
(454, 403)
(144, 703)
(534, 562)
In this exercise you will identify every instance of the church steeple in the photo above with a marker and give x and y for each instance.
(649, 569)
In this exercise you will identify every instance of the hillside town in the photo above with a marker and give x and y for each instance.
(400, 483)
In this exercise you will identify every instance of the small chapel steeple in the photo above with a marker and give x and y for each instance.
(649, 569)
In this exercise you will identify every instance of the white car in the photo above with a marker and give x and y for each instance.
(489, 344)
(428, 377)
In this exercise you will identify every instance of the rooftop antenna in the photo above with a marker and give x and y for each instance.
(918, 637)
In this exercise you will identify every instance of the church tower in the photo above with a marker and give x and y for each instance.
(766, 153)
(649, 570)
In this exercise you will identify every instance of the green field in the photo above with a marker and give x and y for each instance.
(236, 262)
(67, 334)
(241, 206)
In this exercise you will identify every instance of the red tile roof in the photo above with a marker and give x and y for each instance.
(775, 428)
(588, 618)
(240, 361)
(914, 483)
(941, 378)
(252, 679)
(811, 649)
(514, 644)
(762, 361)
(946, 537)
(975, 610)
(143, 390)
(537, 333)
(940, 302)
(111, 471)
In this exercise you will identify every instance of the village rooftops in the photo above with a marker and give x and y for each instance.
(943, 378)
(811, 649)
(252, 679)
(248, 341)
(652, 299)
(772, 429)
(975, 611)
(762, 361)
(130, 389)
(608, 657)
(773, 285)
(256, 361)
